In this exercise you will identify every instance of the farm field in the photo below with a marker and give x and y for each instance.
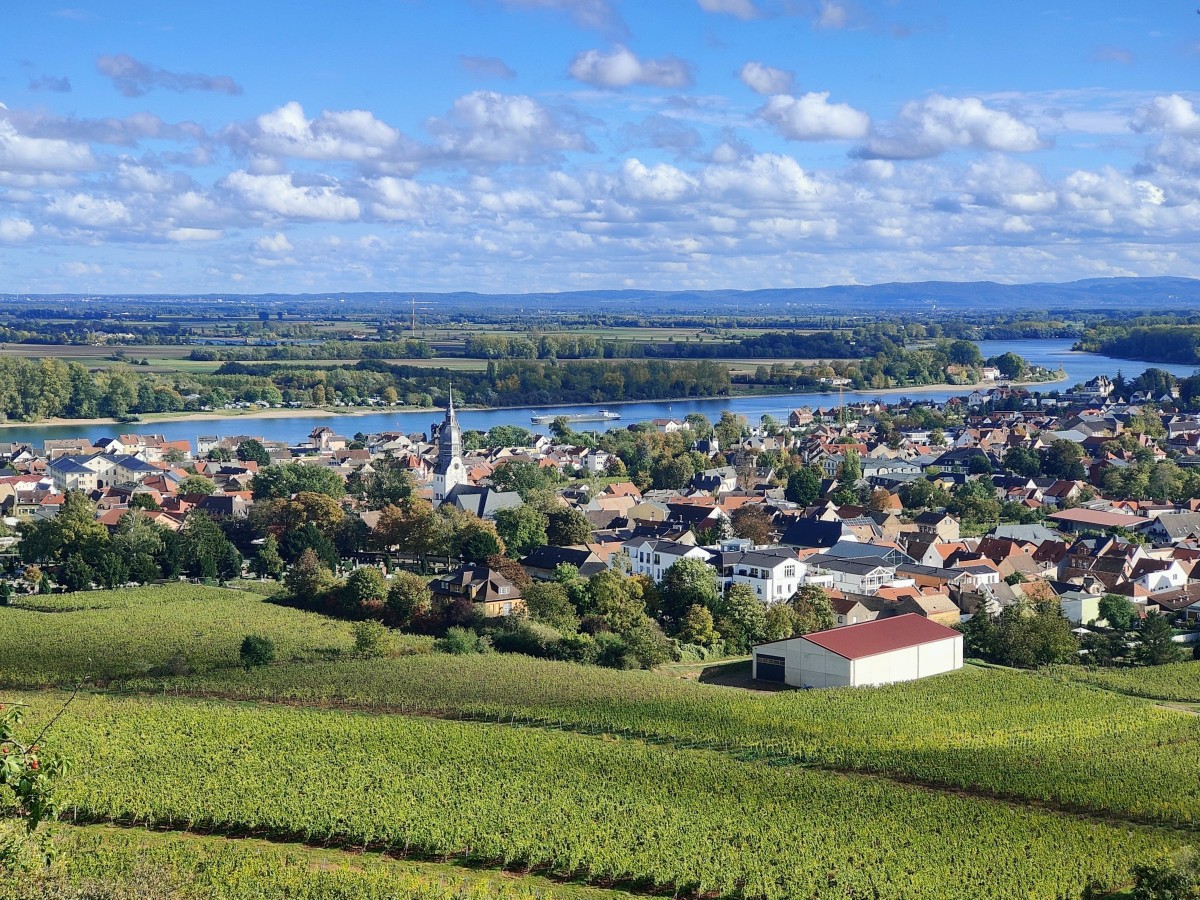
(1004, 733)
(186, 866)
(59, 638)
(1178, 682)
(604, 810)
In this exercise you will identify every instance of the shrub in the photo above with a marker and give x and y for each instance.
(371, 639)
(461, 641)
(257, 650)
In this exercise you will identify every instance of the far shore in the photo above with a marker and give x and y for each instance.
(150, 419)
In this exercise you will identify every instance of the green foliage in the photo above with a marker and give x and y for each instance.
(408, 596)
(812, 610)
(1155, 647)
(803, 486)
(461, 642)
(371, 639)
(687, 583)
(850, 468)
(197, 484)
(365, 589)
(567, 526)
(523, 528)
(253, 451)
(281, 482)
(524, 477)
(741, 618)
(1118, 611)
(1023, 635)
(697, 627)
(76, 574)
(256, 650)
(548, 602)
(268, 563)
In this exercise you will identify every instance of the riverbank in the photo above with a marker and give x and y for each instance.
(308, 412)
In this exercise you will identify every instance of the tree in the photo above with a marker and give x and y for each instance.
(618, 599)
(1011, 366)
(370, 639)
(253, 451)
(111, 569)
(76, 574)
(1118, 611)
(850, 468)
(742, 619)
(672, 473)
(813, 610)
(803, 486)
(1155, 647)
(1063, 459)
(548, 603)
(197, 484)
(523, 528)
(408, 596)
(779, 622)
(308, 580)
(390, 482)
(268, 563)
(1023, 462)
(730, 429)
(523, 476)
(687, 583)
(752, 522)
(281, 482)
(701, 428)
(568, 526)
(257, 650)
(365, 589)
(143, 500)
(696, 627)
(219, 454)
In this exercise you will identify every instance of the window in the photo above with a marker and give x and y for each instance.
(789, 571)
(657, 560)
(503, 591)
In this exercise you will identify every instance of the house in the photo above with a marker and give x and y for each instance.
(1076, 520)
(652, 557)
(542, 561)
(773, 574)
(939, 526)
(883, 651)
(1170, 528)
(855, 576)
(490, 592)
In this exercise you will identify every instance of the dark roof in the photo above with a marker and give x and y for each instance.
(813, 533)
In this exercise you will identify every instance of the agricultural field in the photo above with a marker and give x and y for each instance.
(601, 810)
(1178, 682)
(1001, 733)
(59, 638)
(138, 863)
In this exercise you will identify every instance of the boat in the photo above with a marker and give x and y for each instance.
(602, 415)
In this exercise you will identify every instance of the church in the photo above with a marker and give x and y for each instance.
(450, 484)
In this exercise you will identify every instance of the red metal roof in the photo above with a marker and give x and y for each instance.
(880, 636)
(1098, 518)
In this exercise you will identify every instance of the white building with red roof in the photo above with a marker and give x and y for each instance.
(882, 651)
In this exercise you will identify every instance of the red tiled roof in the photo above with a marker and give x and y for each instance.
(880, 636)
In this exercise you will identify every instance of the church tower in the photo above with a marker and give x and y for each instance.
(450, 471)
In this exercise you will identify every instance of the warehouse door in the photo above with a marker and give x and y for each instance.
(770, 668)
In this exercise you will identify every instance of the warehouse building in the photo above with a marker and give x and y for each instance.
(898, 648)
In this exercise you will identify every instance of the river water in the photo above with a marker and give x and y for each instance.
(1051, 353)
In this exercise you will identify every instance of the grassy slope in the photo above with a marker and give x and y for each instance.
(114, 634)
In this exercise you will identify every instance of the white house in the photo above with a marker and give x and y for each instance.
(856, 576)
(773, 574)
(883, 651)
(652, 557)
(1080, 607)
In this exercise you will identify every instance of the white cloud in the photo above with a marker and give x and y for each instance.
(742, 9)
(90, 211)
(659, 183)
(621, 68)
(273, 243)
(354, 134)
(280, 195)
(1173, 115)
(832, 15)
(766, 80)
(598, 15)
(765, 177)
(931, 126)
(82, 268)
(812, 117)
(32, 154)
(490, 127)
(13, 231)
(194, 234)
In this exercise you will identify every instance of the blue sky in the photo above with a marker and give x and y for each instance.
(511, 145)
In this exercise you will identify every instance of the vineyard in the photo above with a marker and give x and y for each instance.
(55, 639)
(996, 732)
(569, 804)
(1178, 682)
(179, 865)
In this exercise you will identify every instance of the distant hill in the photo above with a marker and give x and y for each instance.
(1159, 293)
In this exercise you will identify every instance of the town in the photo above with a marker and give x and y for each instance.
(1078, 517)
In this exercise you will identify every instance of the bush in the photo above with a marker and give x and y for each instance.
(529, 638)
(257, 650)
(371, 639)
(461, 641)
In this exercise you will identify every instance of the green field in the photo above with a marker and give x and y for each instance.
(137, 864)
(598, 809)
(980, 783)
(58, 638)
(1001, 733)
(1179, 682)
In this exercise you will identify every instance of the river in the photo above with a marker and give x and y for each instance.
(1051, 353)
